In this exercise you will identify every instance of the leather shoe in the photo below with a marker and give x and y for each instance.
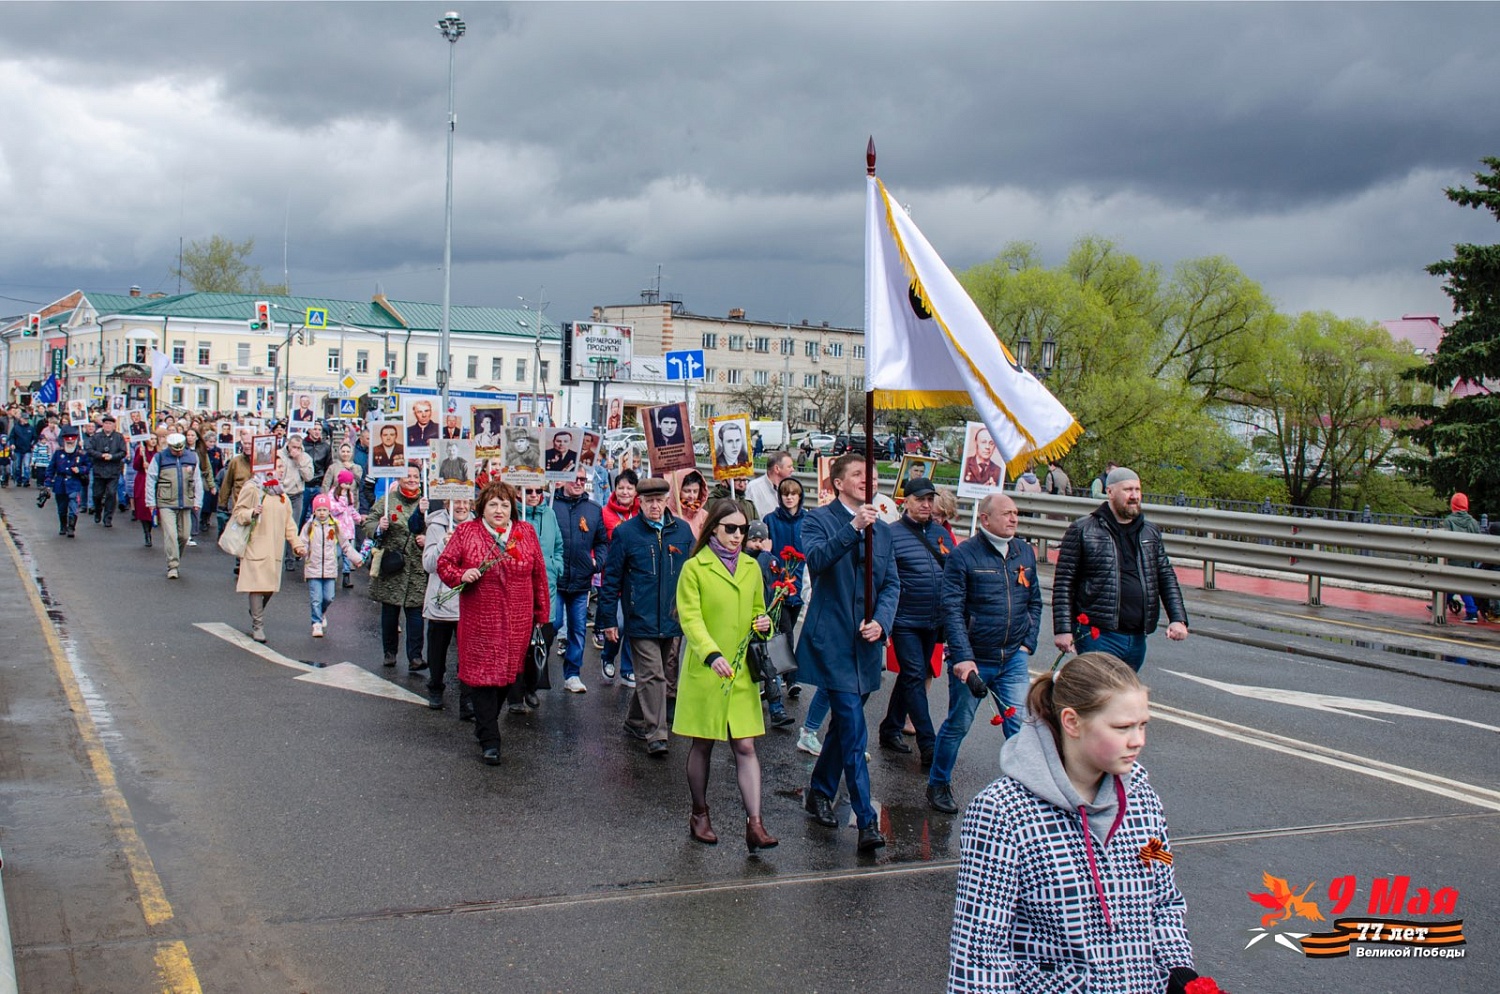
(870, 839)
(821, 809)
(435, 701)
(894, 745)
(465, 710)
(756, 836)
(926, 759)
(701, 829)
(491, 757)
(635, 731)
(657, 749)
(940, 796)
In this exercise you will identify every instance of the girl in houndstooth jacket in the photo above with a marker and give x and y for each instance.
(1065, 878)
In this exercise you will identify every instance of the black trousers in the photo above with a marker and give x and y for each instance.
(487, 701)
(390, 618)
(104, 496)
(440, 636)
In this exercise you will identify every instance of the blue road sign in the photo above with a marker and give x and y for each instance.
(348, 407)
(317, 317)
(685, 365)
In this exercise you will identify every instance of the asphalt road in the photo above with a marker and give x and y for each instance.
(308, 837)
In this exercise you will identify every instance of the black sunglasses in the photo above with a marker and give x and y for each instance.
(734, 529)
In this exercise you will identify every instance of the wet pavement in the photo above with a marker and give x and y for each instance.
(314, 838)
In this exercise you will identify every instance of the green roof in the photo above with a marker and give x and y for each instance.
(417, 315)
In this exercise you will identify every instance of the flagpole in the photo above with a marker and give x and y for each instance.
(869, 437)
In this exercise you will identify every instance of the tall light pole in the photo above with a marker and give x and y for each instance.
(452, 27)
(536, 357)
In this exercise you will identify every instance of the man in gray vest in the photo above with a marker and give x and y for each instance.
(174, 489)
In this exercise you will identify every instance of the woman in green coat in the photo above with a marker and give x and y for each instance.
(402, 593)
(720, 598)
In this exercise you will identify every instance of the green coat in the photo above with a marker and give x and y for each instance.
(407, 588)
(715, 610)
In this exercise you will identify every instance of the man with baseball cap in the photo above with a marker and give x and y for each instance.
(106, 448)
(174, 489)
(1113, 569)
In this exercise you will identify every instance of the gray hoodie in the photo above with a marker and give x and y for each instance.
(1030, 757)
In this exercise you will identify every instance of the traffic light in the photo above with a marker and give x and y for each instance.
(33, 326)
(382, 386)
(262, 319)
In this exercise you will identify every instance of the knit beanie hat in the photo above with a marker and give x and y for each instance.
(1119, 475)
(1460, 502)
(345, 476)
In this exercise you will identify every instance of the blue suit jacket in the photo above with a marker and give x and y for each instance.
(830, 653)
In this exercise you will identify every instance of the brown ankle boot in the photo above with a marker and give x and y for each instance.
(756, 836)
(700, 828)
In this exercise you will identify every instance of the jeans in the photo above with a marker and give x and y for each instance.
(22, 468)
(390, 618)
(576, 605)
(843, 756)
(1008, 680)
(817, 711)
(620, 648)
(914, 650)
(1129, 648)
(320, 594)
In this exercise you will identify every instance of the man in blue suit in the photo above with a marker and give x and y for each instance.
(840, 651)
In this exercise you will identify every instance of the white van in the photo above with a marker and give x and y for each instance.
(772, 434)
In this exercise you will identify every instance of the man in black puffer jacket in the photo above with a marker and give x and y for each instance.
(1113, 569)
(921, 548)
(585, 543)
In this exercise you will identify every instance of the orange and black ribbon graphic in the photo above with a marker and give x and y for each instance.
(1382, 931)
(1155, 851)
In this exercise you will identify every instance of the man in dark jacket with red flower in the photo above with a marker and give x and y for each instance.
(992, 613)
(1113, 567)
(585, 542)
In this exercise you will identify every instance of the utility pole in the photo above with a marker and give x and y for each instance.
(536, 358)
(786, 377)
(452, 28)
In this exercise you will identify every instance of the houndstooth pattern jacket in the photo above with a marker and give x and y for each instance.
(1027, 916)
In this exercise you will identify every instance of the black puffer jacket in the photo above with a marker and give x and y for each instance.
(1087, 579)
(585, 542)
(920, 607)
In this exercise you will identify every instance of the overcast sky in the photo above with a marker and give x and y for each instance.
(1309, 143)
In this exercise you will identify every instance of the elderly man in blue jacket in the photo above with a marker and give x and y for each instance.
(839, 650)
(992, 611)
(645, 559)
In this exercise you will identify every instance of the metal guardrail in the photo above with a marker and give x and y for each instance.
(1411, 558)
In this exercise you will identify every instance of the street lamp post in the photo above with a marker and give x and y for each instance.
(536, 357)
(452, 27)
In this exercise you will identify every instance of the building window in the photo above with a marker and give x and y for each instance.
(546, 369)
(763, 344)
(205, 354)
(271, 356)
(810, 349)
(710, 340)
(836, 349)
(857, 383)
(710, 374)
(202, 398)
(788, 346)
(810, 415)
(390, 360)
(859, 351)
(497, 369)
(732, 376)
(242, 399)
(362, 361)
(762, 377)
(708, 410)
(179, 353)
(421, 364)
(242, 355)
(177, 396)
(471, 367)
(809, 381)
(520, 370)
(333, 361)
(736, 343)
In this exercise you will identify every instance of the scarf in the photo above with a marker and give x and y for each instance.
(409, 494)
(728, 558)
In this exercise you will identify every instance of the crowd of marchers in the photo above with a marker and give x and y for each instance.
(716, 616)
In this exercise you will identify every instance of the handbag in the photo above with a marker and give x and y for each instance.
(390, 560)
(537, 657)
(772, 657)
(236, 538)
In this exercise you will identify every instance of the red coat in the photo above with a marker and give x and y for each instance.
(496, 612)
(138, 509)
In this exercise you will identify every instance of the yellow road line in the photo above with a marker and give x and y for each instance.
(174, 966)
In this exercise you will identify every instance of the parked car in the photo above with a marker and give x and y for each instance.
(850, 443)
(822, 442)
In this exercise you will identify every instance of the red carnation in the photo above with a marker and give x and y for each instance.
(997, 720)
(1010, 712)
(1203, 985)
(1094, 634)
(1083, 619)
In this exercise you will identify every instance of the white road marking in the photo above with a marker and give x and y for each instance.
(1348, 706)
(345, 676)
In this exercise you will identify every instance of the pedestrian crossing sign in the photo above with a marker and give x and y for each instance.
(317, 317)
(97, 391)
(348, 407)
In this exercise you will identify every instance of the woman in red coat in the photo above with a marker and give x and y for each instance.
(144, 453)
(498, 562)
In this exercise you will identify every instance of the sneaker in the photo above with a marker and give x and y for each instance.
(628, 679)
(562, 649)
(808, 742)
(599, 641)
(191, 544)
(780, 719)
(172, 573)
(317, 631)
(610, 669)
(1471, 621)
(574, 685)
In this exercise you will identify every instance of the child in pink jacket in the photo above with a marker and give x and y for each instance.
(344, 507)
(324, 539)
